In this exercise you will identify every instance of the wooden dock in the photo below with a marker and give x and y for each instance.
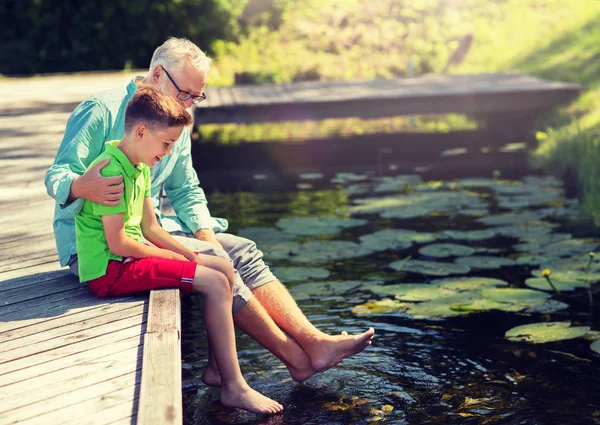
(480, 94)
(67, 357)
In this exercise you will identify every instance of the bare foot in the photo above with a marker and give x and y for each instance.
(333, 349)
(302, 370)
(211, 377)
(250, 400)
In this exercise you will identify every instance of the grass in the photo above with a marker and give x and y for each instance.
(327, 40)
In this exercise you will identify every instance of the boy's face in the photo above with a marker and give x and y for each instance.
(153, 145)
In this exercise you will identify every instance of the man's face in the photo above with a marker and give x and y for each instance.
(153, 145)
(186, 78)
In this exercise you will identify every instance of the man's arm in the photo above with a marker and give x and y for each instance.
(82, 142)
(154, 233)
(122, 245)
(187, 197)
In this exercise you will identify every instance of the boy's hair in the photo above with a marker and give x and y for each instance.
(155, 109)
(174, 53)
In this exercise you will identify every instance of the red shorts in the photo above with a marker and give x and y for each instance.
(142, 275)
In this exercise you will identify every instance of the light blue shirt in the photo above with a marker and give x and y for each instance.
(97, 120)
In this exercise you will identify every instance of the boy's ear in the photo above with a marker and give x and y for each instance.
(140, 131)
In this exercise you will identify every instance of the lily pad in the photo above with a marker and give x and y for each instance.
(316, 252)
(348, 178)
(315, 226)
(515, 295)
(595, 346)
(262, 235)
(396, 239)
(443, 250)
(509, 218)
(310, 176)
(299, 274)
(429, 268)
(307, 291)
(421, 292)
(483, 304)
(380, 289)
(485, 262)
(561, 285)
(547, 307)
(538, 333)
(469, 283)
(379, 307)
(467, 235)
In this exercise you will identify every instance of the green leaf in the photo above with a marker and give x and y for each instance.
(538, 333)
(595, 346)
(515, 295)
(443, 250)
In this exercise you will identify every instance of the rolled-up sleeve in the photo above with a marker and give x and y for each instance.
(184, 191)
(82, 143)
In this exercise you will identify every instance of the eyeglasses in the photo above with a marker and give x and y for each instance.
(184, 95)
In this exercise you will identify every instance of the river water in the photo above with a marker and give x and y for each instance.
(419, 370)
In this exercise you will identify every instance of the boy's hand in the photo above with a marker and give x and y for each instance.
(95, 187)
(207, 235)
(197, 260)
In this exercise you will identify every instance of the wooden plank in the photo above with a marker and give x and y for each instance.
(13, 381)
(33, 258)
(49, 305)
(487, 93)
(72, 334)
(94, 399)
(64, 381)
(76, 349)
(121, 414)
(30, 271)
(39, 278)
(64, 325)
(55, 286)
(78, 307)
(160, 393)
(164, 313)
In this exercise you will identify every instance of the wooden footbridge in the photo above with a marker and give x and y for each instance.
(67, 357)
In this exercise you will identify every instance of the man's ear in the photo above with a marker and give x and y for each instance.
(140, 131)
(156, 73)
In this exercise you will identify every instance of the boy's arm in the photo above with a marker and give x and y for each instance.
(122, 245)
(154, 233)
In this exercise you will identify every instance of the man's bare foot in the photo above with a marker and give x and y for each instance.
(333, 349)
(211, 376)
(301, 372)
(250, 400)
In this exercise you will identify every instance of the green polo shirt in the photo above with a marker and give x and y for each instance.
(92, 249)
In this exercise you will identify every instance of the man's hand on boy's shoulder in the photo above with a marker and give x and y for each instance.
(207, 235)
(93, 186)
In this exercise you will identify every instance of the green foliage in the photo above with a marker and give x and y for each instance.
(79, 35)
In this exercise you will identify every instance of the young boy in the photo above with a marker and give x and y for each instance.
(115, 261)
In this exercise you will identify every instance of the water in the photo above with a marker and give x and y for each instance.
(457, 370)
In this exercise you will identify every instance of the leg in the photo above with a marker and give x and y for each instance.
(235, 392)
(323, 350)
(254, 320)
(281, 309)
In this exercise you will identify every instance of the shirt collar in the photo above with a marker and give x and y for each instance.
(130, 169)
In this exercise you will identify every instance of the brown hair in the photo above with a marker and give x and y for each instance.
(155, 109)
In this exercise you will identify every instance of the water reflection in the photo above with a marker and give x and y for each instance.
(457, 370)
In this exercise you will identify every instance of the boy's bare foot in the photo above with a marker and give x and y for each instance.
(250, 400)
(333, 349)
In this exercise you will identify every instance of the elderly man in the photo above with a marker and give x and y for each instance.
(262, 306)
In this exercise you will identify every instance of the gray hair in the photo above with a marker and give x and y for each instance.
(174, 53)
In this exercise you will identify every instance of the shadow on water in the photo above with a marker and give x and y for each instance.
(457, 370)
